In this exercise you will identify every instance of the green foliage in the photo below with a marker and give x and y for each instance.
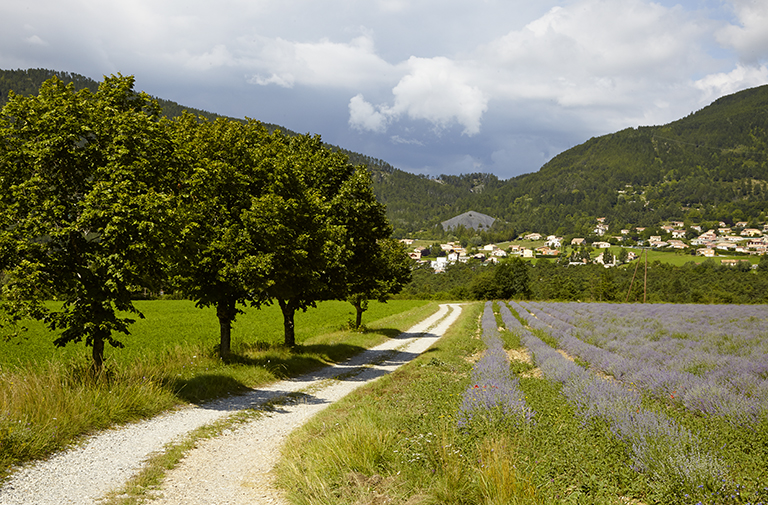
(227, 165)
(103, 198)
(85, 206)
(49, 397)
(691, 282)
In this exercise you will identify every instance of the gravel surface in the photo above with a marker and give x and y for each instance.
(231, 469)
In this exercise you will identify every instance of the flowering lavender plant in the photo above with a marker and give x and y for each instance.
(659, 447)
(494, 393)
(700, 357)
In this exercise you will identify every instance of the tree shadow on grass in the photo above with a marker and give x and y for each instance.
(204, 387)
(299, 362)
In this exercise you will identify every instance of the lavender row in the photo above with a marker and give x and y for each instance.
(658, 446)
(736, 394)
(711, 337)
(494, 390)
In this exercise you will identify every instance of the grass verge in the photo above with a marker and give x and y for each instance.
(48, 404)
(397, 441)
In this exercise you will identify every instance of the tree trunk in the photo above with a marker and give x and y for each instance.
(359, 317)
(225, 310)
(289, 310)
(98, 353)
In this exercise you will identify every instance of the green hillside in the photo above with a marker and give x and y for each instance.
(709, 166)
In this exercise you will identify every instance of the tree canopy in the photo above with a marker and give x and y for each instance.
(86, 191)
(101, 198)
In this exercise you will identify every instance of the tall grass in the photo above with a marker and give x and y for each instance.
(398, 440)
(50, 399)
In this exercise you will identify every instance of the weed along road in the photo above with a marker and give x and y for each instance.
(231, 468)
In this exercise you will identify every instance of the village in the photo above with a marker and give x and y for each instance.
(604, 248)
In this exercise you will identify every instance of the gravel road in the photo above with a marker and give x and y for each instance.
(228, 470)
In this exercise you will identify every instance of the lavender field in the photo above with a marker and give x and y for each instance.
(684, 387)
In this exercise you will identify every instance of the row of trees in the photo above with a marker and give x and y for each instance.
(102, 197)
(544, 279)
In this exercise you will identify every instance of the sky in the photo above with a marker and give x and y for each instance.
(430, 86)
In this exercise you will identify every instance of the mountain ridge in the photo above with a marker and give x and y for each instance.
(711, 165)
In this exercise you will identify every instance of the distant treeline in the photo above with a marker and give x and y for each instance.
(706, 282)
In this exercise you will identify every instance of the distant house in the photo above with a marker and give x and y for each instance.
(705, 251)
(750, 232)
(547, 251)
(731, 263)
(439, 264)
(533, 236)
(601, 245)
(554, 242)
(678, 244)
(577, 241)
(415, 255)
(407, 241)
(678, 233)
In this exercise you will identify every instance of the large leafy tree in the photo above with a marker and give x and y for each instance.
(86, 183)
(376, 265)
(385, 272)
(219, 262)
(294, 224)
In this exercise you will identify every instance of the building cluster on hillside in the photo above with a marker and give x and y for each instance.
(735, 239)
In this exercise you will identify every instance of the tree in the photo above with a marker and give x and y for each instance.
(86, 192)
(376, 265)
(293, 224)
(219, 263)
(512, 279)
(385, 271)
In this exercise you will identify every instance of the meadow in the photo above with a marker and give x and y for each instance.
(587, 403)
(49, 396)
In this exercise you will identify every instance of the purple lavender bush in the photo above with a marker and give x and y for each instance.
(666, 452)
(494, 393)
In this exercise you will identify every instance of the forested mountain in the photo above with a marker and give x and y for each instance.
(711, 165)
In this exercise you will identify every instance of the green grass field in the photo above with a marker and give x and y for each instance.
(169, 324)
(397, 441)
(49, 397)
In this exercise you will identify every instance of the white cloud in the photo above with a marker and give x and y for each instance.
(594, 52)
(218, 56)
(35, 41)
(750, 38)
(436, 90)
(397, 139)
(320, 63)
(741, 77)
(364, 116)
